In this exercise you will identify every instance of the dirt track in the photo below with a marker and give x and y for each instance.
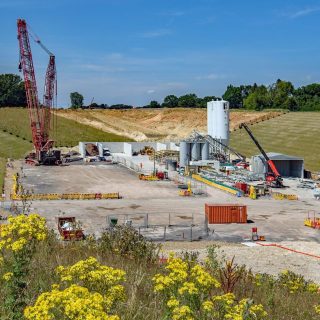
(156, 124)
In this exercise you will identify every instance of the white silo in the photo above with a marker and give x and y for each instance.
(218, 120)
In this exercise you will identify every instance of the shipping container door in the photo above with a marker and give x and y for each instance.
(234, 214)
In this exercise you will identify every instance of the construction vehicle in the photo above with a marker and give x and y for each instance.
(186, 193)
(312, 222)
(69, 229)
(159, 175)
(273, 178)
(39, 114)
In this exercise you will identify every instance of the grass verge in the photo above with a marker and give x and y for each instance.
(2, 173)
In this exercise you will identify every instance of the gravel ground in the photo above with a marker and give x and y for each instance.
(271, 260)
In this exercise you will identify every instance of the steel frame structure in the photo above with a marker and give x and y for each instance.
(39, 115)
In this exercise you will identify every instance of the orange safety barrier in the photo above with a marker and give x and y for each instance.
(289, 249)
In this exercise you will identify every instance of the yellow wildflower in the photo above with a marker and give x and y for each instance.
(7, 276)
(207, 306)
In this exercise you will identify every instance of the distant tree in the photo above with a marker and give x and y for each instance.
(76, 100)
(258, 99)
(202, 102)
(291, 104)
(154, 104)
(120, 106)
(170, 101)
(308, 97)
(94, 106)
(234, 96)
(281, 93)
(12, 91)
(188, 101)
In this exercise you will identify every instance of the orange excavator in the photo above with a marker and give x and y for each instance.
(273, 177)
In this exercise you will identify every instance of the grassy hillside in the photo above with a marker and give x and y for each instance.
(296, 134)
(69, 133)
(15, 135)
(157, 124)
(2, 171)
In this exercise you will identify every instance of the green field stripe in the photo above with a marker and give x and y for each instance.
(296, 134)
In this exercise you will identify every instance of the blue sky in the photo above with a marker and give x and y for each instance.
(134, 51)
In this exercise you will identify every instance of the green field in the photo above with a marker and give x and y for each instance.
(69, 133)
(296, 134)
(2, 172)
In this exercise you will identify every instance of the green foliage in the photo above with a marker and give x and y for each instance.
(308, 97)
(170, 101)
(188, 101)
(280, 95)
(202, 102)
(154, 104)
(258, 98)
(2, 173)
(234, 96)
(76, 100)
(127, 241)
(12, 92)
(142, 302)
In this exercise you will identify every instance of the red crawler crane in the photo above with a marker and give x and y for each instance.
(39, 115)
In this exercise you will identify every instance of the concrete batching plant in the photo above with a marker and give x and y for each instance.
(192, 150)
(218, 120)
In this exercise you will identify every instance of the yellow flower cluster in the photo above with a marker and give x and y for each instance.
(317, 309)
(292, 281)
(224, 306)
(187, 281)
(313, 288)
(182, 313)
(187, 290)
(7, 276)
(21, 230)
(74, 302)
(94, 276)
(246, 310)
(181, 284)
(93, 289)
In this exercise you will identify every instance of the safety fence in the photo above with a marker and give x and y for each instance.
(162, 226)
(128, 163)
(197, 187)
(17, 194)
(65, 196)
(282, 196)
(218, 185)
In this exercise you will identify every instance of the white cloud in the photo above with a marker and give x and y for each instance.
(175, 13)
(211, 76)
(101, 68)
(156, 33)
(150, 91)
(303, 12)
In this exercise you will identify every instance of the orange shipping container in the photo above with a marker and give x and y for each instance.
(226, 213)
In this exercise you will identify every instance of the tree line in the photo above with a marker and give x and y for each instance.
(279, 95)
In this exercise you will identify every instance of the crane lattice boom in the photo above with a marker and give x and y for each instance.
(39, 115)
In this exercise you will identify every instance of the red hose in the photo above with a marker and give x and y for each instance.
(285, 248)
